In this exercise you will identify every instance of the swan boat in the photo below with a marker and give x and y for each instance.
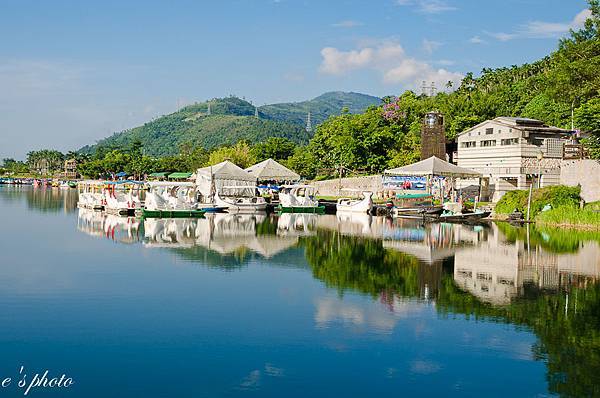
(90, 195)
(171, 199)
(363, 205)
(298, 199)
(241, 204)
(122, 198)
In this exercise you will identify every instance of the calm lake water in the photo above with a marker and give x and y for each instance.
(296, 305)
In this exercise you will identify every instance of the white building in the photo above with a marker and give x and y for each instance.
(513, 152)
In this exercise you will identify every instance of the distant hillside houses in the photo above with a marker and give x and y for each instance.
(516, 152)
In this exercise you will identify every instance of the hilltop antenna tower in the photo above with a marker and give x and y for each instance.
(256, 112)
(308, 123)
(428, 90)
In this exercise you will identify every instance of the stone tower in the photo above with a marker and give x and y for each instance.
(433, 136)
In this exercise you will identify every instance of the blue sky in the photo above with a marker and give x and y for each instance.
(72, 72)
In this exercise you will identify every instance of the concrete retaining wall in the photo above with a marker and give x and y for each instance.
(367, 183)
(585, 173)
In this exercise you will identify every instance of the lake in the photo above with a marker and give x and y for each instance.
(292, 305)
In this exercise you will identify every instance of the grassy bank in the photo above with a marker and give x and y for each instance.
(564, 204)
(570, 217)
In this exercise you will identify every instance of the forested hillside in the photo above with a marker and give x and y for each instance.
(231, 120)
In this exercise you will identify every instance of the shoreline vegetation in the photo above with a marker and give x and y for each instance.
(555, 206)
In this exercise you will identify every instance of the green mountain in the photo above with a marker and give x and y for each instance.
(320, 108)
(225, 121)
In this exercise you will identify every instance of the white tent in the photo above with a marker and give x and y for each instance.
(225, 178)
(433, 166)
(271, 170)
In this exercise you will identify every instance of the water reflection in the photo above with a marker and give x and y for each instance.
(543, 281)
(43, 199)
(109, 226)
(221, 233)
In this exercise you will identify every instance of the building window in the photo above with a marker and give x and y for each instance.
(489, 131)
(510, 141)
(488, 143)
(467, 144)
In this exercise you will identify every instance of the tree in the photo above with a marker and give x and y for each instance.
(275, 148)
(303, 162)
(240, 154)
(587, 118)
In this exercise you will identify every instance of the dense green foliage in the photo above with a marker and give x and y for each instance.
(279, 149)
(555, 196)
(12, 166)
(232, 120)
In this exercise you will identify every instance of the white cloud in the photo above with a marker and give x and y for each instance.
(476, 40)
(502, 36)
(429, 46)
(363, 316)
(427, 6)
(348, 23)
(390, 60)
(544, 29)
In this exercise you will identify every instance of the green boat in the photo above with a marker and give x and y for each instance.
(173, 213)
(301, 209)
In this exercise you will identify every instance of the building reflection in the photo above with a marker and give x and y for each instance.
(499, 270)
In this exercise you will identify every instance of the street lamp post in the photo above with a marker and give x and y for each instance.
(540, 156)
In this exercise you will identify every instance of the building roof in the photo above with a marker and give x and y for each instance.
(521, 124)
(272, 170)
(433, 167)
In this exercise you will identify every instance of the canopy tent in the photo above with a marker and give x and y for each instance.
(179, 176)
(225, 178)
(161, 174)
(121, 174)
(270, 170)
(433, 166)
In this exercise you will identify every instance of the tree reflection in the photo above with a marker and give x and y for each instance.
(566, 322)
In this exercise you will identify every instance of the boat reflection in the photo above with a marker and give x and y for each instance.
(113, 227)
(220, 232)
(495, 263)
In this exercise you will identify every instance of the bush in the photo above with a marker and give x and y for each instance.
(555, 196)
